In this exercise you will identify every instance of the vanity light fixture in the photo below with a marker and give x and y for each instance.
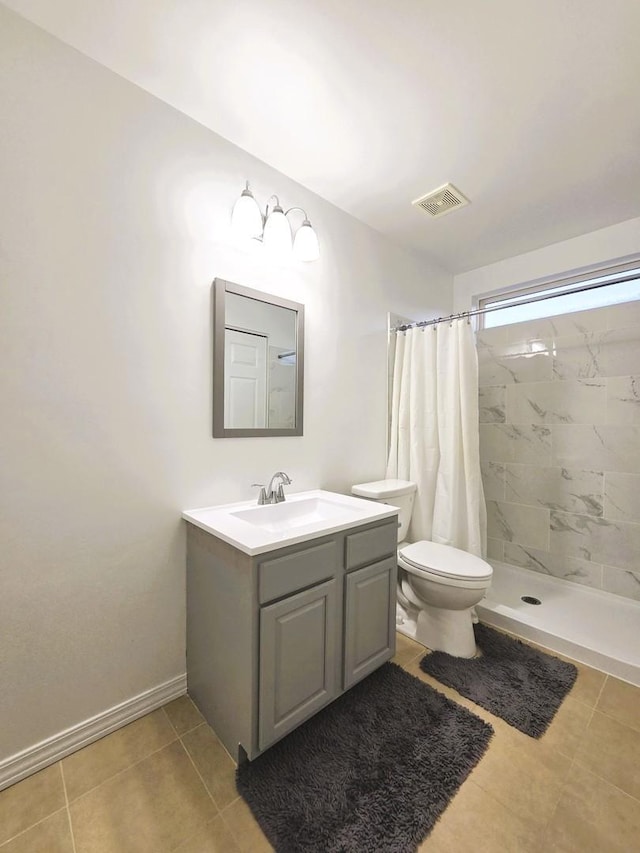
(273, 227)
(305, 242)
(246, 218)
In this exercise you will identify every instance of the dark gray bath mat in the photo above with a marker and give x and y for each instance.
(371, 772)
(520, 684)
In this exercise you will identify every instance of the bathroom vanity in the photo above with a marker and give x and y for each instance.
(288, 606)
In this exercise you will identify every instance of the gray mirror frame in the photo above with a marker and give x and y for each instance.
(220, 289)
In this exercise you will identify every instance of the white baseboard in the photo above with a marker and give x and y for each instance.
(48, 751)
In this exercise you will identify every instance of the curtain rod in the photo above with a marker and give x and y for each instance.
(477, 311)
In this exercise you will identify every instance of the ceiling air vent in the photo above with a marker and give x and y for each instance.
(441, 201)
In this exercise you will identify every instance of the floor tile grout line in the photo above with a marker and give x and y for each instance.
(588, 705)
(175, 739)
(200, 777)
(617, 720)
(124, 770)
(236, 836)
(560, 795)
(602, 686)
(66, 799)
(235, 800)
(202, 722)
(180, 734)
(608, 715)
(170, 721)
(502, 805)
(135, 764)
(541, 826)
(589, 769)
(230, 828)
(576, 757)
(194, 834)
(31, 826)
(219, 810)
(607, 781)
(172, 724)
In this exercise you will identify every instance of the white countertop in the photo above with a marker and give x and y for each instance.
(257, 529)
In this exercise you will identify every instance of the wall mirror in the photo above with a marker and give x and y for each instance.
(258, 363)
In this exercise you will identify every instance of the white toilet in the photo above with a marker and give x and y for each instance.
(438, 585)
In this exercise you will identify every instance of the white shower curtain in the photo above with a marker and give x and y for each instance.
(434, 433)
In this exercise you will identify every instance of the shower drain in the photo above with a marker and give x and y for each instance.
(529, 599)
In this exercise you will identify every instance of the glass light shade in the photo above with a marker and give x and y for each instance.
(246, 219)
(277, 232)
(305, 244)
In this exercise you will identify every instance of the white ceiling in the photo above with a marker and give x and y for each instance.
(530, 107)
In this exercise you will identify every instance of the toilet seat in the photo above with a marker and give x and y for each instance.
(445, 564)
(438, 585)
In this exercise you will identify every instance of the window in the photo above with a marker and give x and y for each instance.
(594, 290)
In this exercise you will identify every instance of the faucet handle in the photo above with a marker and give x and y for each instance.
(262, 497)
(285, 480)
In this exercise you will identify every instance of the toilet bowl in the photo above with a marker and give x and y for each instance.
(444, 585)
(438, 585)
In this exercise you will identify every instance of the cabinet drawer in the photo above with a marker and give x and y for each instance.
(370, 545)
(295, 571)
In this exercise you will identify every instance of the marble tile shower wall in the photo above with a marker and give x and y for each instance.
(560, 445)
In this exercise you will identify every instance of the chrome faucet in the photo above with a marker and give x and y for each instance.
(272, 495)
(262, 497)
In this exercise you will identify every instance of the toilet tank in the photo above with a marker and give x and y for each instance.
(399, 493)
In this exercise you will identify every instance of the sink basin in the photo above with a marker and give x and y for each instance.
(291, 514)
(305, 515)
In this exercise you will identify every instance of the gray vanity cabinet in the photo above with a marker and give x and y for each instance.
(273, 638)
(297, 659)
(369, 619)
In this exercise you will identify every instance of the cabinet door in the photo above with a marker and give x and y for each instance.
(370, 610)
(297, 660)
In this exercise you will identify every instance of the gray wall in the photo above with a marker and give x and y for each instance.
(115, 219)
(560, 445)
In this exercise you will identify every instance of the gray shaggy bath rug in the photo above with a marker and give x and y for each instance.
(512, 680)
(371, 772)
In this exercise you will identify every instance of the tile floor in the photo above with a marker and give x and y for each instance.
(165, 783)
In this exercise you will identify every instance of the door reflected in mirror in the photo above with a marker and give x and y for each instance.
(258, 347)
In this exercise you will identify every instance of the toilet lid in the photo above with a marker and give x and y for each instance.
(446, 561)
